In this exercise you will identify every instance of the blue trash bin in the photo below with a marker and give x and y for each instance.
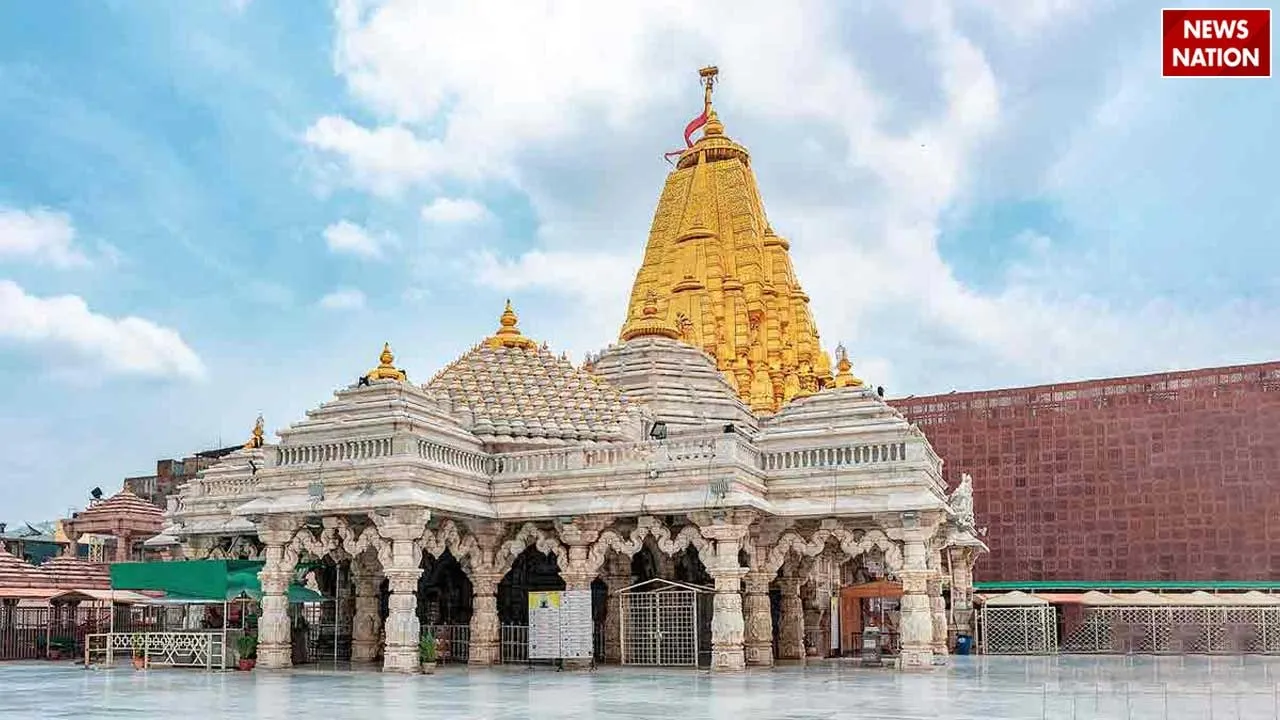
(964, 644)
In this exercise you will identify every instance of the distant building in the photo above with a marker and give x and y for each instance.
(1156, 477)
(32, 543)
(171, 474)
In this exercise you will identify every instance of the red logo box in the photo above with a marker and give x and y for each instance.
(1217, 43)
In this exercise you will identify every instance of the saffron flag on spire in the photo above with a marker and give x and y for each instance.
(689, 130)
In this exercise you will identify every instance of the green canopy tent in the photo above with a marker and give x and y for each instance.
(200, 580)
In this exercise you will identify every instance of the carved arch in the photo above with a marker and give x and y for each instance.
(354, 544)
(529, 535)
(321, 546)
(849, 542)
(649, 526)
(463, 547)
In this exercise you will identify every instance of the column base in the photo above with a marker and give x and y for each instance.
(275, 657)
(915, 659)
(759, 655)
(728, 660)
(483, 654)
(401, 659)
(576, 663)
(364, 651)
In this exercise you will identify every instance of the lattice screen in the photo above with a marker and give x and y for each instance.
(1021, 630)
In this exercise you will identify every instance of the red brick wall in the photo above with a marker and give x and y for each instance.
(1160, 477)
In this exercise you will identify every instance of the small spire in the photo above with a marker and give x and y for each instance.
(708, 75)
(257, 439)
(386, 370)
(508, 334)
(651, 323)
(844, 374)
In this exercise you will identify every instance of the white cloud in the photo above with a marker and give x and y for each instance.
(454, 210)
(570, 112)
(347, 237)
(127, 345)
(385, 160)
(345, 299)
(40, 236)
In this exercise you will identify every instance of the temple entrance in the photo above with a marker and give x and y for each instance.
(869, 604)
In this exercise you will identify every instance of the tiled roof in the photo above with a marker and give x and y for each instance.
(15, 572)
(122, 503)
(528, 392)
(76, 574)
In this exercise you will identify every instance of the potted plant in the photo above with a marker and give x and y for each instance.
(247, 646)
(138, 645)
(427, 652)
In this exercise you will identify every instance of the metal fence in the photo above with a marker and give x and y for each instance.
(1208, 630)
(1018, 630)
(37, 632)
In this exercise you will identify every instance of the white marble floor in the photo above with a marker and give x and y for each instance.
(990, 688)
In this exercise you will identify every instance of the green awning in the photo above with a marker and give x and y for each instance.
(210, 580)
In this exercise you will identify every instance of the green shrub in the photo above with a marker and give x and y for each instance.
(248, 647)
(427, 647)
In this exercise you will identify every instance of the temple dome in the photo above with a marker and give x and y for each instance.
(725, 279)
(512, 390)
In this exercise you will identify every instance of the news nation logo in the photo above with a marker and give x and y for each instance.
(1217, 43)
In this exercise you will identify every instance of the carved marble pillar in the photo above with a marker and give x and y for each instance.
(485, 628)
(758, 636)
(617, 576)
(727, 624)
(812, 628)
(938, 611)
(915, 624)
(791, 632)
(962, 590)
(275, 648)
(577, 573)
(366, 620)
(485, 637)
(404, 529)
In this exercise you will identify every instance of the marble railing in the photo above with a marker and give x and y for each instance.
(835, 456)
(620, 455)
(453, 457)
(366, 449)
(220, 487)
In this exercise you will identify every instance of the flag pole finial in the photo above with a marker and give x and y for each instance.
(708, 75)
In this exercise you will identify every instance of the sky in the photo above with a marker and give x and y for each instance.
(220, 208)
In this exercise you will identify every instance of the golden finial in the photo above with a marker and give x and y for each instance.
(708, 75)
(651, 323)
(844, 376)
(257, 439)
(508, 334)
(386, 370)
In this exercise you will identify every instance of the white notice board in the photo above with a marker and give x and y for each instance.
(561, 625)
(544, 625)
(577, 631)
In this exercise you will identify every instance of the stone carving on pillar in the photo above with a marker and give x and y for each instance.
(791, 632)
(728, 626)
(938, 614)
(403, 528)
(366, 620)
(617, 575)
(274, 646)
(915, 623)
(485, 641)
(581, 569)
(961, 502)
(758, 634)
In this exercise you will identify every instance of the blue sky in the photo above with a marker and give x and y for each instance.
(223, 207)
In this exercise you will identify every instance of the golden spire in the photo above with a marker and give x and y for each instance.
(844, 376)
(508, 334)
(650, 323)
(257, 439)
(386, 370)
(724, 278)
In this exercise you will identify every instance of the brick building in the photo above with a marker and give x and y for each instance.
(171, 474)
(1158, 477)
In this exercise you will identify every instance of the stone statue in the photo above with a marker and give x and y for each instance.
(961, 501)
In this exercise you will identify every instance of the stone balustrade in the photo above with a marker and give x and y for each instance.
(453, 457)
(366, 449)
(222, 487)
(702, 449)
(835, 456)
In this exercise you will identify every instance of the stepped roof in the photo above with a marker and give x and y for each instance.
(514, 388)
(18, 573)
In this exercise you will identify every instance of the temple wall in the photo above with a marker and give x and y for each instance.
(1159, 477)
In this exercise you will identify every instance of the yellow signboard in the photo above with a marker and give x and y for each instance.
(544, 600)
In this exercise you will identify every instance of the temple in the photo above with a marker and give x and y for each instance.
(712, 448)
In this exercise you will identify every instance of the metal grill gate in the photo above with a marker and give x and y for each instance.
(660, 623)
